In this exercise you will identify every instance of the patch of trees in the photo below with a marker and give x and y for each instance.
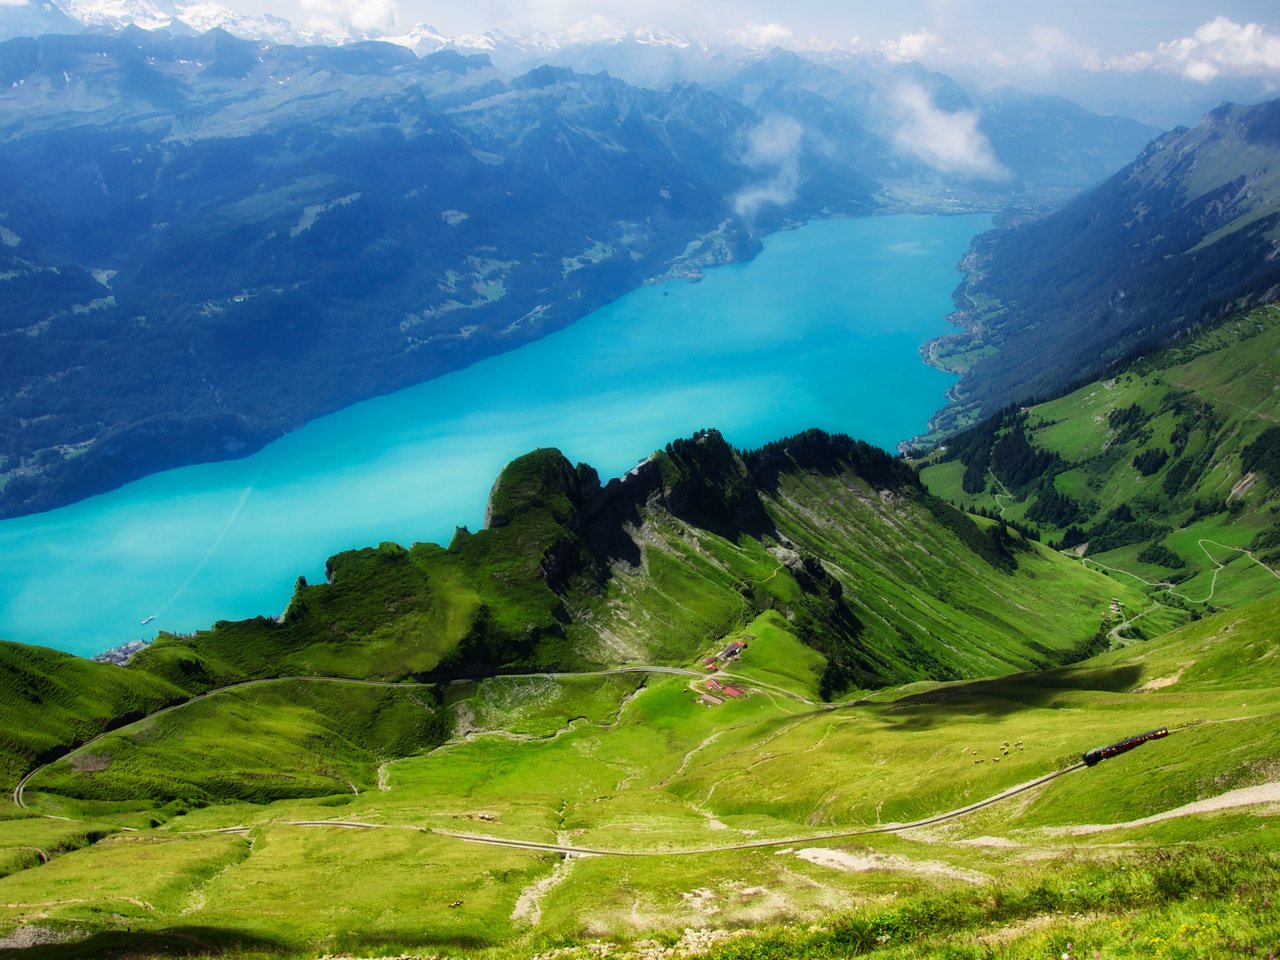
(1161, 556)
(975, 471)
(1267, 540)
(1016, 462)
(1263, 455)
(993, 546)
(1056, 509)
(1073, 536)
(1179, 477)
(1150, 461)
(1185, 472)
(1192, 413)
(1121, 528)
(973, 449)
(1201, 508)
(1130, 423)
(999, 444)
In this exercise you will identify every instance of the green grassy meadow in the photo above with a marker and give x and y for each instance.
(639, 764)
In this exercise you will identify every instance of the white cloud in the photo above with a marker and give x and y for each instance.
(1218, 47)
(949, 142)
(762, 36)
(596, 27)
(14, 3)
(774, 145)
(1052, 47)
(365, 16)
(912, 46)
(1043, 50)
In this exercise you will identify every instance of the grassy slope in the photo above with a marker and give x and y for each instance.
(261, 743)
(929, 604)
(1218, 388)
(49, 699)
(904, 584)
(645, 766)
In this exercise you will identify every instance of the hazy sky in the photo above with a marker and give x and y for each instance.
(1198, 40)
(967, 27)
(1111, 26)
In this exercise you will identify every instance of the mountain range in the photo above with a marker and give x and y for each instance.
(210, 241)
(802, 701)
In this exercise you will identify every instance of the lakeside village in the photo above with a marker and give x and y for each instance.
(714, 692)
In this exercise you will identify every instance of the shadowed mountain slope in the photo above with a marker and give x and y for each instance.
(1186, 233)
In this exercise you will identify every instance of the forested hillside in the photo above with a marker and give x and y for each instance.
(1169, 470)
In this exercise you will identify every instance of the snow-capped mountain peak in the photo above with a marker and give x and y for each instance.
(198, 16)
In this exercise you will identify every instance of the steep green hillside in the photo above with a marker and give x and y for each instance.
(1183, 235)
(876, 581)
(883, 580)
(1167, 473)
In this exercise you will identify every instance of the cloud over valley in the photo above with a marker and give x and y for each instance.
(950, 142)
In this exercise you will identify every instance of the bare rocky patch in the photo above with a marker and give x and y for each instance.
(1159, 683)
(36, 936)
(89, 762)
(851, 862)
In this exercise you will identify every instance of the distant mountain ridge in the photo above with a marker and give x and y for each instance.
(209, 241)
(198, 16)
(1190, 231)
(42, 17)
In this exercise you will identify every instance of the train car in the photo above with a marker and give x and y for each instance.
(1098, 754)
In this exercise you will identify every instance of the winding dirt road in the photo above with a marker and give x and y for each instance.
(570, 850)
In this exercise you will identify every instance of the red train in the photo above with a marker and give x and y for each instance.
(1098, 754)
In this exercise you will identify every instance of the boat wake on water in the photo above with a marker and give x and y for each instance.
(213, 548)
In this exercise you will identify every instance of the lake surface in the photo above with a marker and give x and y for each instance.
(821, 330)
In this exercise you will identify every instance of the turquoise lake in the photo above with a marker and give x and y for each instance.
(822, 329)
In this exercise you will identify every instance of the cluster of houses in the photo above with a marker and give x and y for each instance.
(733, 649)
(716, 692)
